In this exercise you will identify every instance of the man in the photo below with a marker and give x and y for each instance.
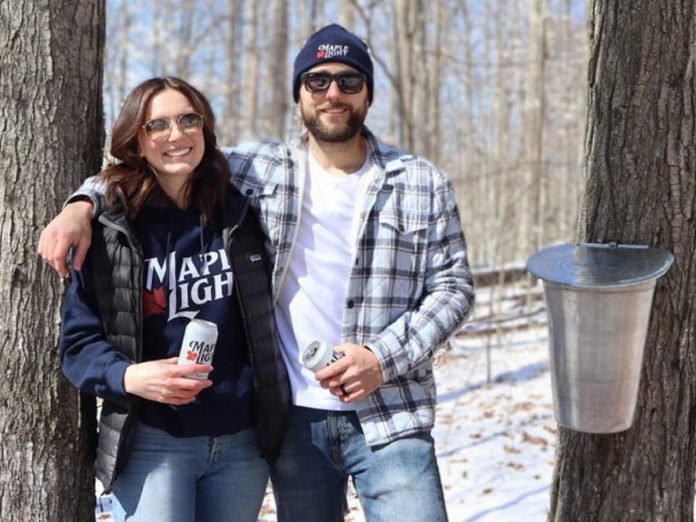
(370, 258)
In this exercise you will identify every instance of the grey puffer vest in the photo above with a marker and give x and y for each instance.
(118, 278)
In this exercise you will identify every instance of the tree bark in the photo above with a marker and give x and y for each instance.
(183, 36)
(395, 93)
(419, 68)
(308, 17)
(346, 16)
(405, 85)
(641, 187)
(278, 70)
(433, 85)
(250, 85)
(229, 128)
(51, 114)
(533, 139)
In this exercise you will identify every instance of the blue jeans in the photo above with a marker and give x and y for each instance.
(398, 481)
(201, 479)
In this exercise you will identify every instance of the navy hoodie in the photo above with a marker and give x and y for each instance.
(186, 274)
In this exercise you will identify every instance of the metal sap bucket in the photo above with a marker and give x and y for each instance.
(598, 298)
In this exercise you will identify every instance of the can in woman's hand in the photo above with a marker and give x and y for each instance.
(198, 345)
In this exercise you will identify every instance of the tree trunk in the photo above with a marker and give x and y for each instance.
(641, 186)
(395, 93)
(51, 136)
(534, 106)
(498, 210)
(433, 85)
(346, 16)
(278, 70)
(405, 85)
(419, 69)
(182, 38)
(229, 128)
(251, 73)
(125, 19)
(308, 17)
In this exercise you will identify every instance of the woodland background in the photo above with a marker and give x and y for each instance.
(522, 102)
(493, 92)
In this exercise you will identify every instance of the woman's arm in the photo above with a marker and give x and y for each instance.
(94, 366)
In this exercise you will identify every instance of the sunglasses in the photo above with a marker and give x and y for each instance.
(318, 82)
(160, 129)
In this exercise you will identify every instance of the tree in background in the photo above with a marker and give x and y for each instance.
(491, 91)
(51, 136)
(641, 188)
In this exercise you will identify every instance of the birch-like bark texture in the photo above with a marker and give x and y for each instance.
(51, 136)
(641, 188)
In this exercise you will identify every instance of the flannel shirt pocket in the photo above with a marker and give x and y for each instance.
(400, 255)
(253, 189)
(402, 222)
(402, 232)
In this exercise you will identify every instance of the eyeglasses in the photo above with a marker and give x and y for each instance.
(318, 82)
(160, 129)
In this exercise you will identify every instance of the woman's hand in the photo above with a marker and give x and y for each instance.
(165, 381)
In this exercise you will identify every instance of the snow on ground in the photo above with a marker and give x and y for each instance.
(495, 440)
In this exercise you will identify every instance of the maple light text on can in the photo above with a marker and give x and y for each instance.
(198, 345)
(318, 355)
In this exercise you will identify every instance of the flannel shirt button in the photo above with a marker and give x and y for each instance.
(350, 304)
(249, 192)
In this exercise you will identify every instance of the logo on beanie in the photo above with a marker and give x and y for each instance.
(326, 51)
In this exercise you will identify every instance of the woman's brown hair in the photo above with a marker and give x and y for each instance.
(131, 181)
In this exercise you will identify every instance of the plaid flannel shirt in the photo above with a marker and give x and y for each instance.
(410, 287)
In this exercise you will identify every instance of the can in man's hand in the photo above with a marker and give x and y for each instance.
(318, 355)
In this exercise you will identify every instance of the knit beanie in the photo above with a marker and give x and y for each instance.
(333, 43)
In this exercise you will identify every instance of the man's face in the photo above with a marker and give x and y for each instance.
(333, 116)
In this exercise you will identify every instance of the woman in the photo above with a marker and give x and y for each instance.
(176, 243)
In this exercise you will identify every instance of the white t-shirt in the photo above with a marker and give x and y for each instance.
(311, 300)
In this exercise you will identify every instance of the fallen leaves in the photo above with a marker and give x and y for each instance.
(530, 439)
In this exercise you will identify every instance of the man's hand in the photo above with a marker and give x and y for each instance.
(353, 377)
(72, 227)
(165, 381)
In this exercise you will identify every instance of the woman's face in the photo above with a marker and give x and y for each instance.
(180, 150)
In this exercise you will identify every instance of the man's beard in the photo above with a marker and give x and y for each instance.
(337, 133)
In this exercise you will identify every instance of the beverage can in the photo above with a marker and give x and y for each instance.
(198, 345)
(318, 355)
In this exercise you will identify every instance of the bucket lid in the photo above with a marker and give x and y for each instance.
(595, 265)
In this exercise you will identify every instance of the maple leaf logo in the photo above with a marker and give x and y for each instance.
(153, 302)
(321, 54)
(191, 355)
